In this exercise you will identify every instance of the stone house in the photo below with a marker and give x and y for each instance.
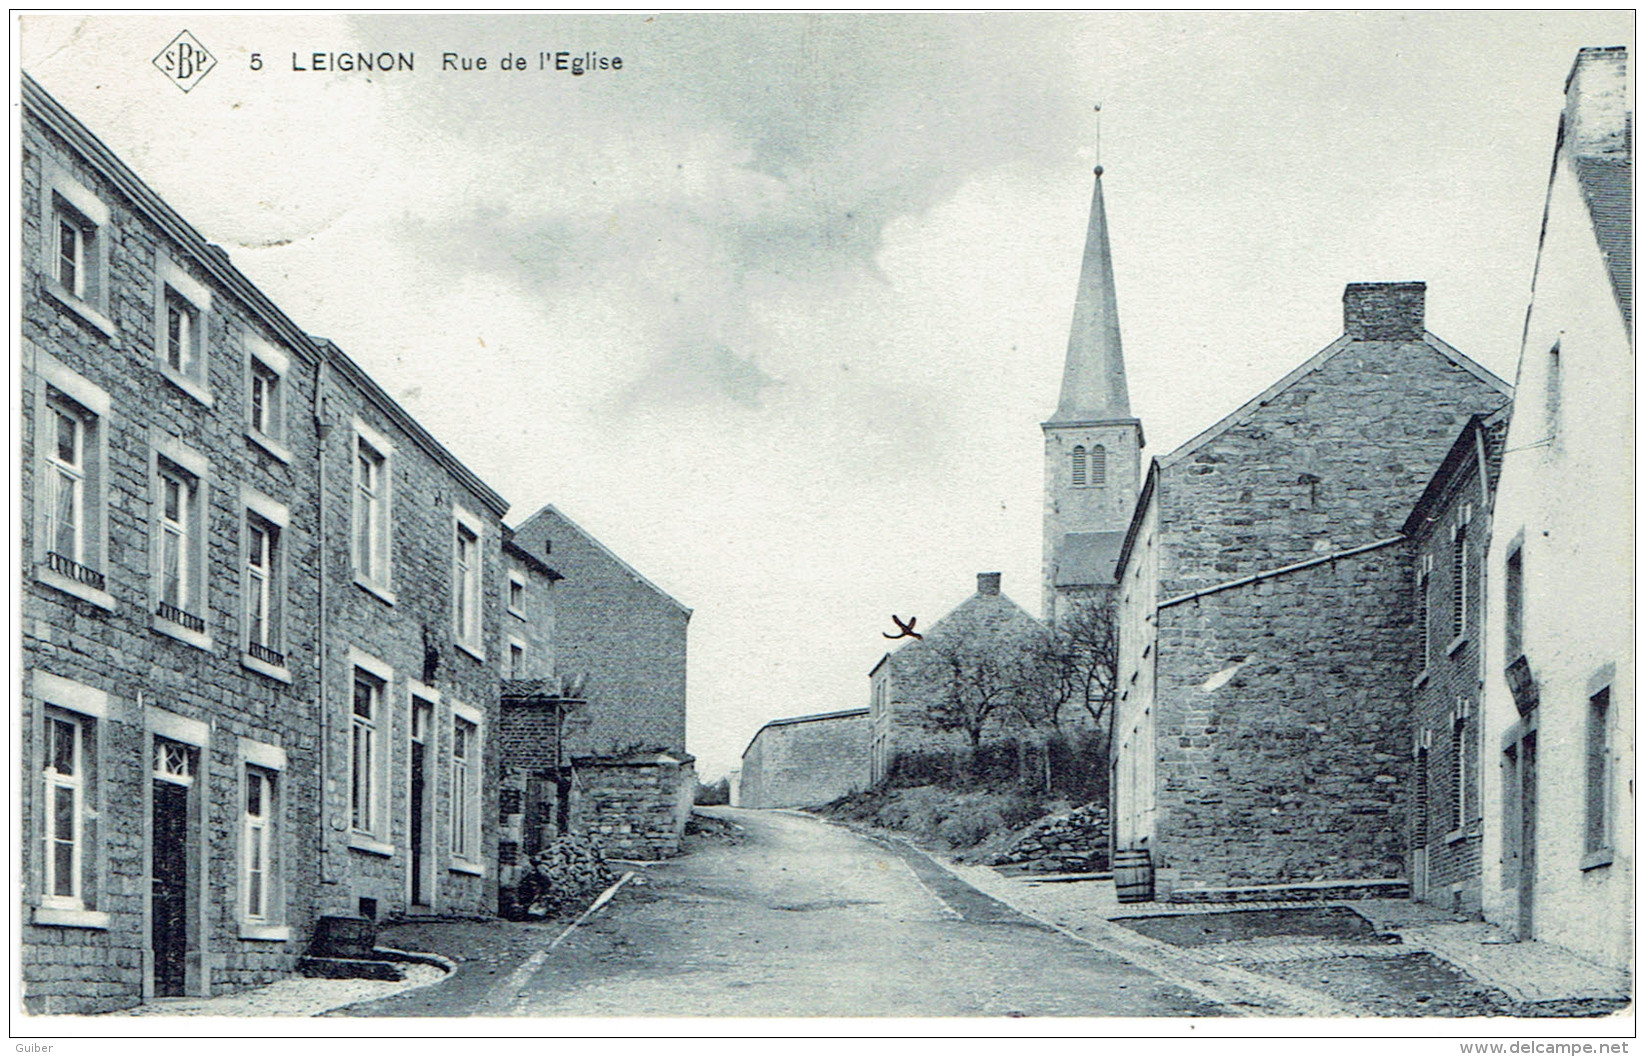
(805, 761)
(608, 654)
(1558, 656)
(254, 597)
(1448, 530)
(1263, 728)
(907, 682)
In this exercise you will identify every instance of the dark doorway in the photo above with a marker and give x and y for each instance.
(1527, 834)
(170, 887)
(421, 790)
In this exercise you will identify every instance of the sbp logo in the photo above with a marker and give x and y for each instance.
(185, 61)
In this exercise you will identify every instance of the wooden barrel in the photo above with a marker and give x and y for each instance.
(1133, 876)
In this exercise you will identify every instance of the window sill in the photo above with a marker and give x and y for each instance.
(187, 385)
(516, 613)
(84, 310)
(464, 866)
(370, 845)
(373, 587)
(477, 652)
(66, 917)
(52, 578)
(267, 933)
(264, 668)
(1421, 679)
(1456, 835)
(1456, 644)
(198, 640)
(270, 445)
(1597, 858)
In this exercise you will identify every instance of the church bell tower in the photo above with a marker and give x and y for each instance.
(1093, 444)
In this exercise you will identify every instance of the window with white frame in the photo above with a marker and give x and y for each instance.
(262, 588)
(266, 369)
(179, 534)
(67, 741)
(181, 308)
(66, 759)
(76, 227)
(71, 453)
(373, 483)
(465, 793)
(465, 581)
(516, 594)
(257, 841)
(367, 737)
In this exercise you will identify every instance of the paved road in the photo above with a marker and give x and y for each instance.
(805, 919)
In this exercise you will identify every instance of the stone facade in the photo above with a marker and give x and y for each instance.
(1265, 608)
(620, 633)
(909, 680)
(192, 624)
(806, 761)
(636, 807)
(1559, 653)
(1449, 529)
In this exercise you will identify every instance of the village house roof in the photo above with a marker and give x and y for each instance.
(215, 262)
(1478, 446)
(549, 509)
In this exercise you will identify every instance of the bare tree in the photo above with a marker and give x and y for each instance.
(1085, 656)
(975, 681)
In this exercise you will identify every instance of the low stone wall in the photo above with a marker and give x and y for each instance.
(636, 807)
(1069, 842)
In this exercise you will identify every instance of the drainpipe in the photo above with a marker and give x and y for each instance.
(322, 428)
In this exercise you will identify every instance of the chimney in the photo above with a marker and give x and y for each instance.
(1384, 311)
(988, 583)
(1596, 103)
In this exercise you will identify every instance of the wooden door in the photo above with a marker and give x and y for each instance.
(1527, 835)
(169, 905)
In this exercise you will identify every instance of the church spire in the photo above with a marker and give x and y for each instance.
(1093, 376)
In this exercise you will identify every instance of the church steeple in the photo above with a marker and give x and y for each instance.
(1093, 376)
(1093, 446)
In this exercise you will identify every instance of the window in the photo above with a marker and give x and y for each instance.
(71, 453)
(1459, 578)
(181, 308)
(178, 537)
(373, 481)
(465, 807)
(1079, 466)
(75, 254)
(1597, 835)
(465, 581)
(1513, 585)
(1099, 466)
(266, 368)
(259, 825)
(516, 595)
(66, 816)
(1419, 829)
(516, 659)
(364, 742)
(1425, 609)
(65, 808)
(262, 584)
(1459, 773)
(1553, 393)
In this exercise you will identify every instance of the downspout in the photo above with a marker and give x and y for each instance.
(322, 429)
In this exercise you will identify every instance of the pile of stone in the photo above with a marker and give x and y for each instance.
(1068, 842)
(562, 877)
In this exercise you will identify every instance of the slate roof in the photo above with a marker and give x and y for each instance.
(1087, 558)
(1608, 187)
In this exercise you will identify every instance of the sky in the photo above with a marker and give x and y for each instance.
(776, 309)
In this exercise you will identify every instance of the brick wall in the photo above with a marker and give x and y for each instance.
(1283, 730)
(809, 761)
(619, 630)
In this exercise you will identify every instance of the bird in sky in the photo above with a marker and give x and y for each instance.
(908, 631)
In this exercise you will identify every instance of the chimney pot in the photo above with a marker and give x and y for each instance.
(988, 583)
(1384, 311)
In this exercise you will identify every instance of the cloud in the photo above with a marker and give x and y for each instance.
(698, 374)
